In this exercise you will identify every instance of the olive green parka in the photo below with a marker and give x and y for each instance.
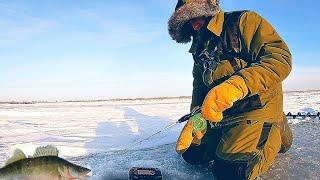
(268, 64)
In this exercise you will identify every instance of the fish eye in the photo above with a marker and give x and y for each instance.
(73, 173)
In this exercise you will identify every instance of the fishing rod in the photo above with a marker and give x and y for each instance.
(198, 110)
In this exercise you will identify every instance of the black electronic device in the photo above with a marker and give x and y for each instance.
(141, 173)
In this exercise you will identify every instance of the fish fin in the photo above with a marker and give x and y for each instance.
(17, 155)
(48, 150)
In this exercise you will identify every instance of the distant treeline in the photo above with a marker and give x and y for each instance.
(98, 100)
(26, 102)
(123, 99)
(133, 99)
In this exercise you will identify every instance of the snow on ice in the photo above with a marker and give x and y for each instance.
(94, 134)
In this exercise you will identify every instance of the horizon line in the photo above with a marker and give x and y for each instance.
(124, 99)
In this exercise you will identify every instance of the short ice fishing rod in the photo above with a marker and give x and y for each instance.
(199, 123)
(181, 120)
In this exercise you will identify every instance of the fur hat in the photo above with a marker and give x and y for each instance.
(178, 25)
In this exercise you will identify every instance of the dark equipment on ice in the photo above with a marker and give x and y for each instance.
(303, 115)
(138, 173)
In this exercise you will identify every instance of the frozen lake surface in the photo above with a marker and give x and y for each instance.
(94, 135)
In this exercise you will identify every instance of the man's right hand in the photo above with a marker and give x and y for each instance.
(188, 136)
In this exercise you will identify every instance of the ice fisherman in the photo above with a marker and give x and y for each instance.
(240, 62)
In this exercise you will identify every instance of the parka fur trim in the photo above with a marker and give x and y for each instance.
(178, 25)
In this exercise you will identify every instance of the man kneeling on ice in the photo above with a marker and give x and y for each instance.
(239, 64)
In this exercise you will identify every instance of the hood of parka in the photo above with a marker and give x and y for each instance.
(179, 23)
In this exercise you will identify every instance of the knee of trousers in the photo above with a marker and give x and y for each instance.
(196, 155)
(232, 164)
(239, 170)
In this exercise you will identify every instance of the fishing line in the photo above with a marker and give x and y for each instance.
(188, 116)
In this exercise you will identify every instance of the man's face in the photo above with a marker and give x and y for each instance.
(197, 23)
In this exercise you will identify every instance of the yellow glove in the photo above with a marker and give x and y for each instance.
(222, 97)
(188, 136)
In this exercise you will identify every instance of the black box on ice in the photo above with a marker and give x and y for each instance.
(145, 173)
